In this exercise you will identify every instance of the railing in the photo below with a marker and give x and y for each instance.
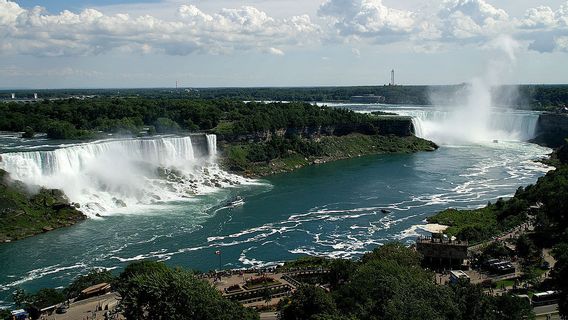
(434, 240)
(259, 293)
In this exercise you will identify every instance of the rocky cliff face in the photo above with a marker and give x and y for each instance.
(397, 126)
(23, 214)
(552, 129)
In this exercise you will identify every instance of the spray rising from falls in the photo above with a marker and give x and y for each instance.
(117, 175)
(474, 116)
(440, 125)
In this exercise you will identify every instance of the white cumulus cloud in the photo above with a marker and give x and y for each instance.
(466, 19)
(539, 17)
(545, 28)
(90, 32)
(367, 18)
(188, 29)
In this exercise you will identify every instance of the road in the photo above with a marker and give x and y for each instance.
(542, 311)
(269, 316)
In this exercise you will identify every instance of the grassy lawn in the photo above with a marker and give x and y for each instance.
(506, 282)
(475, 225)
(273, 282)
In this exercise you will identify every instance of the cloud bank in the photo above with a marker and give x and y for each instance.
(91, 32)
(34, 31)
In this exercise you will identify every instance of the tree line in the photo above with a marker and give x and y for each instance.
(389, 283)
(540, 97)
(81, 118)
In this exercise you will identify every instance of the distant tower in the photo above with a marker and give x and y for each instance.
(392, 77)
(13, 96)
(176, 85)
(35, 96)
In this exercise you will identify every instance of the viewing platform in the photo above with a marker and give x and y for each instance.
(440, 251)
(441, 241)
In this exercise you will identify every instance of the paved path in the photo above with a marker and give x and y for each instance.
(551, 310)
(269, 316)
(86, 309)
(514, 233)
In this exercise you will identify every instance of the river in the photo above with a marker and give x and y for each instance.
(333, 209)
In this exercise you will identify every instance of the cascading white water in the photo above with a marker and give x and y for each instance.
(107, 176)
(440, 125)
(211, 144)
(418, 129)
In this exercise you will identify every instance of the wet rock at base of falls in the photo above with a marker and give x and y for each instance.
(119, 203)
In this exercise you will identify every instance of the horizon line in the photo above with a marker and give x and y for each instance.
(269, 87)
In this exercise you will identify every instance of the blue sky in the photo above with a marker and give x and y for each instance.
(138, 43)
(55, 6)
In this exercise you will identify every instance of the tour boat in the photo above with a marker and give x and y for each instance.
(236, 201)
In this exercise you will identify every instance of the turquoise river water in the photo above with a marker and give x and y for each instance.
(332, 209)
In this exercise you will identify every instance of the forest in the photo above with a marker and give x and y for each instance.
(82, 118)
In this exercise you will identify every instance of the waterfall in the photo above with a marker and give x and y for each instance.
(445, 126)
(212, 144)
(110, 175)
(418, 129)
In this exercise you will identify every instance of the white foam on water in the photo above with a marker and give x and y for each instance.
(40, 273)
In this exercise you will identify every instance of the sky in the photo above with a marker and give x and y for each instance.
(236, 43)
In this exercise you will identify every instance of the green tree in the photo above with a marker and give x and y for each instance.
(43, 298)
(527, 249)
(47, 297)
(560, 276)
(28, 133)
(474, 304)
(495, 250)
(61, 130)
(153, 291)
(508, 307)
(394, 251)
(95, 276)
(340, 271)
(308, 302)
(165, 125)
(21, 298)
(5, 314)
